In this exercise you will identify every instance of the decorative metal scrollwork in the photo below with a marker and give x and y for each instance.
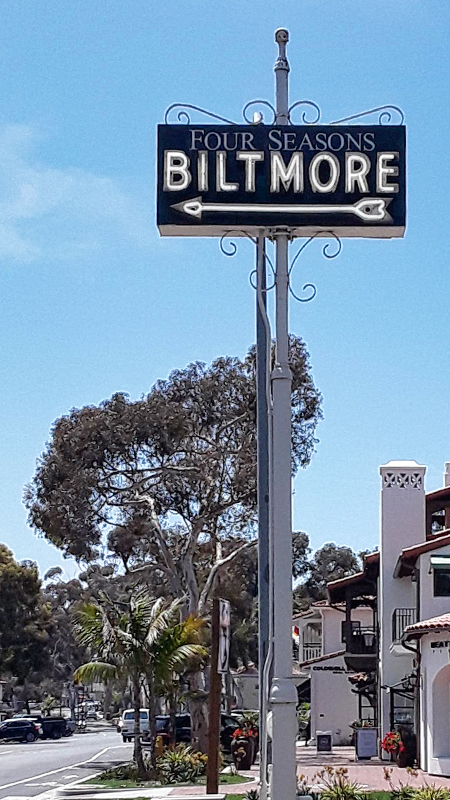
(324, 253)
(233, 250)
(258, 103)
(184, 117)
(304, 117)
(384, 118)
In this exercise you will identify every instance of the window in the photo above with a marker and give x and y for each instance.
(441, 575)
(441, 582)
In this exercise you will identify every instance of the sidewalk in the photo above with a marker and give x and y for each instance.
(369, 774)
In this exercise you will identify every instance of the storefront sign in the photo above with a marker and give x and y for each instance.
(311, 178)
(366, 742)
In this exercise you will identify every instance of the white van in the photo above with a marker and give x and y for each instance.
(126, 725)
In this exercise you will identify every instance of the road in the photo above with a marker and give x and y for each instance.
(27, 770)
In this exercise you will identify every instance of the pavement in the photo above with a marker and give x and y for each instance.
(56, 770)
(27, 770)
(369, 774)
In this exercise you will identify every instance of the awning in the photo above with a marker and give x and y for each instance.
(440, 562)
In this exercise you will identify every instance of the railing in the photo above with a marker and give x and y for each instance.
(401, 618)
(360, 641)
(312, 651)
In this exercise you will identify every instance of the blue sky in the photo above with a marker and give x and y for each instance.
(93, 301)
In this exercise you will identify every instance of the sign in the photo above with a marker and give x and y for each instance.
(366, 742)
(324, 741)
(224, 637)
(213, 179)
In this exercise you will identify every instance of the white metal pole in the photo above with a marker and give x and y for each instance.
(283, 694)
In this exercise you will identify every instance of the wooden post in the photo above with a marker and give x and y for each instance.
(215, 685)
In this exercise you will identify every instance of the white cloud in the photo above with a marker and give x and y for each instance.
(51, 212)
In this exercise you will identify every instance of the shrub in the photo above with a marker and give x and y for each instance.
(124, 772)
(181, 764)
(335, 785)
(403, 791)
(432, 792)
(305, 788)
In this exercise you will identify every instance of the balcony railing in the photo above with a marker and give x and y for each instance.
(360, 641)
(312, 651)
(401, 618)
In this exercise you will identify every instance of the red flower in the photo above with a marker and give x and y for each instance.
(392, 742)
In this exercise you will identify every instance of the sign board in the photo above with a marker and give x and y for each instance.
(224, 636)
(324, 741)
(366, 742)
(350, 180)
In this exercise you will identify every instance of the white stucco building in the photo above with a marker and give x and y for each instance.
(404, 668)
(321, 672)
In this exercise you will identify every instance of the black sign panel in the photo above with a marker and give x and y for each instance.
(310, 178)
(323, 743)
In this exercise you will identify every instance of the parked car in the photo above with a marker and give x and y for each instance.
(52, 727)
(21, 730)
(228, 725)
(126, 725)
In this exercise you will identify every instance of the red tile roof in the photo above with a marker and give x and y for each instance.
(437, 624)
(409, 555)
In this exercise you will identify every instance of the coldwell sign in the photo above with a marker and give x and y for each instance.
(346, 179)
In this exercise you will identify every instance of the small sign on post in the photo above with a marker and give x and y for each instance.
(224, 637)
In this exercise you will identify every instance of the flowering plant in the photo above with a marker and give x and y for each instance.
(392, 743)
(245, 733)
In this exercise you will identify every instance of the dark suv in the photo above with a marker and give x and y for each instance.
(51, 727)
(228, 726)
(21, 730)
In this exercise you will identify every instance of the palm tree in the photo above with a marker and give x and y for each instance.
(142, 640)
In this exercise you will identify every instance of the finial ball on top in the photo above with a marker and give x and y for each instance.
(281, 36)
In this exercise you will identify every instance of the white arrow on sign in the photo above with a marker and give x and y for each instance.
(369, 209)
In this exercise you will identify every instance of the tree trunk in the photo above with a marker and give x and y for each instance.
(172, 719)
(199, 712)
(137, 755)
(107, 700)
(152, 723)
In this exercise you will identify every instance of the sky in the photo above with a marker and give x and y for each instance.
(93, 301)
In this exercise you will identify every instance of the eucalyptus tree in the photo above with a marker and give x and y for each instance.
(167, 484)
(142, 640)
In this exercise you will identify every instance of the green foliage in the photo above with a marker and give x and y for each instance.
(432, 792)
(252, 794)
(140, 639)
(329, 563)
(249, 720)
(124, 772)
(25, 619)
(181, 764)
(335, 785)
(189, 447)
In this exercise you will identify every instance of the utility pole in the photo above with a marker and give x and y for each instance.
(283, 694)
(262, 413)
(215, 685)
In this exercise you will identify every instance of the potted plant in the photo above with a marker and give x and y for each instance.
(243, 747)
(392, 744)
(249, 728)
